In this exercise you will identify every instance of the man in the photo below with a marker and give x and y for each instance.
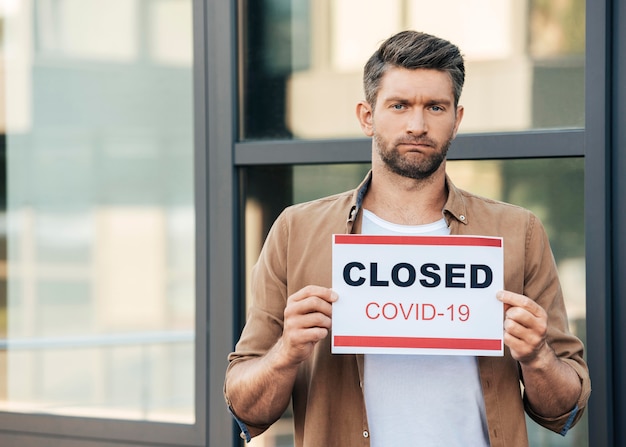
(412, 86)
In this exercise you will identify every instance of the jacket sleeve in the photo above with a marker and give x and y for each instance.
(264, 322)
(541, 283)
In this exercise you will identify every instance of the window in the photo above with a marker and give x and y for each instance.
(303, 61)
(98, 296)
(521, 182)
(301, 67)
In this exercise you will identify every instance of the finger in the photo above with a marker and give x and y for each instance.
(523, 324)
(521, 316)
(519, 300)
(324, 293)
(520, 350)
(523, 347)
(313, 334)
(299, 343)
(524, 334)
(309, 320)
(531, 335)
(309, 305)
(305, 330)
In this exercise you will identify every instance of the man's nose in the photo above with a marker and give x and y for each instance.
(417, 122)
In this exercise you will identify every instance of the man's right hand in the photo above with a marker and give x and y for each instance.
(307, 321)
(259, 389)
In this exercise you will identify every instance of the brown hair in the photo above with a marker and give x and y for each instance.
(412, 50)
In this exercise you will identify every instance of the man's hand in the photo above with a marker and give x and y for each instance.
(259, 389)
(525, 328)
(551, 385)
(307, 321)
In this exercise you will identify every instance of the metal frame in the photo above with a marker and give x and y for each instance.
(221, 199)
(531, 144)
(618, 218)
(605, 210)
(599, 252)
(601, 143)
(213, 24)
(217, 155)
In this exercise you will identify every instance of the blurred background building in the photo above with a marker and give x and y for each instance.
(146, 146)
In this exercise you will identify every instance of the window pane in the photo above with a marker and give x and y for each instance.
(552, 188)
(303, 60)
(97, 295)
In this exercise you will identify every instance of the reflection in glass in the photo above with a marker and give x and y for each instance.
(302, 62)
(97, 227)
(552, 188)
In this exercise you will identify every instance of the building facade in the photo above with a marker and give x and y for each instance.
(148, 145)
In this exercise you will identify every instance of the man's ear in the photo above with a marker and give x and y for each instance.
(459, 117)
(365, 115)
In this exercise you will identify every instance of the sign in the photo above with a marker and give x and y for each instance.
(417, 294)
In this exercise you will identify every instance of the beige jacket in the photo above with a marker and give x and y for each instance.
(328, 403)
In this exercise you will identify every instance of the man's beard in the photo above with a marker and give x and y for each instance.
(417, 170)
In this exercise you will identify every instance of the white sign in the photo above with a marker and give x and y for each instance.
(417, 294)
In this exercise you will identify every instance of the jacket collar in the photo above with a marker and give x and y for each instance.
(455, 206)
(357, 198)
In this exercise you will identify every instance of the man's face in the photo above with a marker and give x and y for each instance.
(414, 121)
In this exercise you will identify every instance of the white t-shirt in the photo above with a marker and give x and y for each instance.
(422, 400)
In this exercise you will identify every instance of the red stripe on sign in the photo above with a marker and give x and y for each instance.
(366, 239)
(482, 344)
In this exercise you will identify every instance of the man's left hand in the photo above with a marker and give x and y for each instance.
(525, 327)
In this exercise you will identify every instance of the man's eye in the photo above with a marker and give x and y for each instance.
(436, 108)
(398, 106)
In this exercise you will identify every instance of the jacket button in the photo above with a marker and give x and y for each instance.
(462, 217)
(366, 434)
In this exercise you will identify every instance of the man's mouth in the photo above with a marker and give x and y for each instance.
(416, 145)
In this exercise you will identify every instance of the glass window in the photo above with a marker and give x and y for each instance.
(97, 299)
(302, 62)
(551, 188)
(554, 190)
